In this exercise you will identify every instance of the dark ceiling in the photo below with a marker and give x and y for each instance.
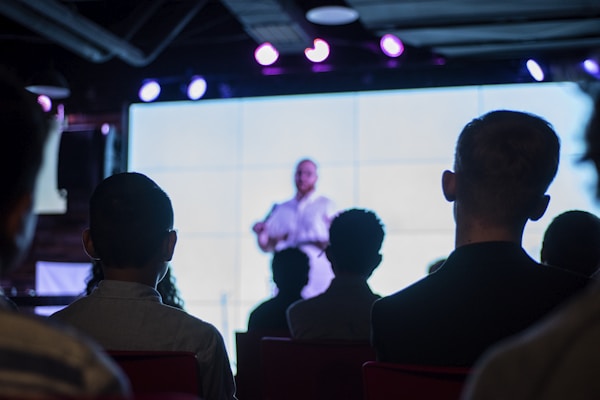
(105, 48)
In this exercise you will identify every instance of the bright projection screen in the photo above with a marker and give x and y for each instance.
(225, 162)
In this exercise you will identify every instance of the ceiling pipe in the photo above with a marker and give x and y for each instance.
(84, 36)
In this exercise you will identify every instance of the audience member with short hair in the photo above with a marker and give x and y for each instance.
(572, 241)
(38, 359)
(290, 273)
(131, 233)
(557, 358)
(343, 311)
(489, 288)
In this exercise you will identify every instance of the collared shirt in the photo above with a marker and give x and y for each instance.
(342, 312)
(131, 316)
(306, 223)
(303, 221)
(40, 359)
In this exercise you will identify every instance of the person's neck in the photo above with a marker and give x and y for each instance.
(301, 196)
(469, 232)
(136, 275)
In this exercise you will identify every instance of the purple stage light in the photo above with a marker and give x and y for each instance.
(535, 70)
(591, 67)
(197, 88)
(45, 102)
(319, 52)
(391, 45)
(266, 54)
(149, 91)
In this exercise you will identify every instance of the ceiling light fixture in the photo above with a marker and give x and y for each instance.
(319, 52)
(266, 54)
(196, 88)
(332, 15)
(50, 83)
(391, 45)
(149, 91)
(535, 70)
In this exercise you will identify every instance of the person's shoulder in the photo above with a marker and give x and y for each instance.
(189, 322)
(48, 339)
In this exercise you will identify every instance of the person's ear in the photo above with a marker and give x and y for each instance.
(449, 185)
(169, 245)
(539, 208)
(88, 244)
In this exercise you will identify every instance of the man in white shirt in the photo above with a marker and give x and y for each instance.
(302, 222)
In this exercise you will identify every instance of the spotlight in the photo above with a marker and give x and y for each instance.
(149, 91)
(266, 54)
(197, 88)
(391, 45)
(591, 67)
(535, 70)
(45, 102)
(319, 52)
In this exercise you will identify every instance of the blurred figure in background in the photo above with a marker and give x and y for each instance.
(290, 273)
(572, 241)
(302, 222)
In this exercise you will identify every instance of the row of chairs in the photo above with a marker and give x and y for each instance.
(276, 368)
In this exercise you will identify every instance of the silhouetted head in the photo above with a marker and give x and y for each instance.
(355, 238)
(572, 241)
(305, 176)
(504, 162)
(290, 270)
(24, 132)
(130, 218)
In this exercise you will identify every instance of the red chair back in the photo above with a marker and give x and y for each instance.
(316, 370)
(248, 379)
(155, 372)
(408, 382)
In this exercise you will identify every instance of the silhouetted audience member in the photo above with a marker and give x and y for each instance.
(572, 241)
(290, 274)
(489, 288)
(303, 222)
(343, 311)
(37, 359)
(167, 287)
(131, 233)
(557, 358)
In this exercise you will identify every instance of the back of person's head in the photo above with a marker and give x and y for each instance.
(24, 132)
(130, 216)
(355, 238)
(290, 269)
(505, 161)
(572, 241)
